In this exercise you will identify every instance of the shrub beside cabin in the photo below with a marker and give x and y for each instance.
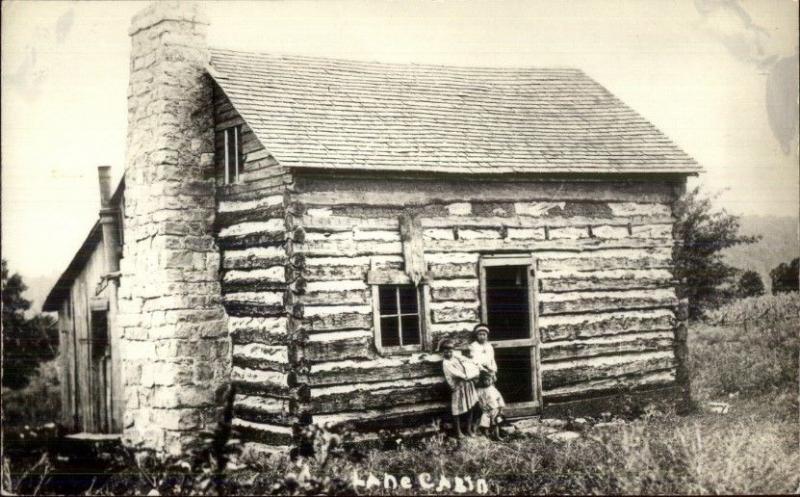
(309, 229)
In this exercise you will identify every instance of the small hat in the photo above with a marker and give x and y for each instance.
(481, 328)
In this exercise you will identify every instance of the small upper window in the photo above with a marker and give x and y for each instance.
(399, 322)
(233, 154)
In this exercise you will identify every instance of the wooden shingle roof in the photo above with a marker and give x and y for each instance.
(342, 114)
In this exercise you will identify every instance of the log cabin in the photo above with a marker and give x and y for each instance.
(308, 229)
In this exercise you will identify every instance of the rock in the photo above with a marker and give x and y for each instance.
(555, 423)
(717, 407)
(532, 427)
(563, 436)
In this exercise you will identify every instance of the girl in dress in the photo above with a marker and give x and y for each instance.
(460, 377)
(489, 398)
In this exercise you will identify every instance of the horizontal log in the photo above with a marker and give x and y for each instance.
(604, 385)
(258, 382)
(253, 258)
(606, 260)
(573, 327)
(337, 322)
(383, 369)
(225, 219)
(269, 434)
(248, 204)
(342, 345)
(582, 302)
(454, 314)
(571, 245)
(262, 357)
(335, 273)
(243, 309)
(616, 344)
(568, 233)
(564, 281)
(317, 248)
(454, 293)
(557, 374)
(375, 419)
(522, 222)
(246, 413)
(640, 208)
(353, 297)
(274, 239)
(455, 270)
(406, 192)
(381, 395)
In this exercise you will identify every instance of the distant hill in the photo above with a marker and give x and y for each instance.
(779, 244)
(38, 288)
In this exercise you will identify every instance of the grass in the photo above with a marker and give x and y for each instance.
(749, 362)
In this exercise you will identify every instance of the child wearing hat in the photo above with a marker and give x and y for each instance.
(459, 376)
(489, 398)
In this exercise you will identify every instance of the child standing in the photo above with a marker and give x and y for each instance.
(460, 380)
(489, 398)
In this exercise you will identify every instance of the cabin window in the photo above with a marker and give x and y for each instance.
(397, 317)
(233, 161)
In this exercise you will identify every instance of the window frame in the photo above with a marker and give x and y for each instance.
(394, 278)
(236, 131)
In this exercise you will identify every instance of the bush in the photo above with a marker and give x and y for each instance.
(749, 346)
(38, 403)
(750, 285)
(786, 277)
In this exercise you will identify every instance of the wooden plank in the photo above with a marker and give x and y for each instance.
(407, 192)
(571, 245)
(363, 396)
(254, 258)
(582, 302)
(453, 271)
(383, 369)
(574, 327)
(224, 219)
(524, 222)
(604, 280)
(557, 374)
(606, 260)
(342, 297)
(616, 344)
(265, 410)
(390, 418)
(350, 248)
(615, 384)
(339, 345)
(266, 433)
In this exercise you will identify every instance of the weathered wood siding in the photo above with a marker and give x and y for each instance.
(79, 390)
(257, 280)
(606, 297)
(262, 173)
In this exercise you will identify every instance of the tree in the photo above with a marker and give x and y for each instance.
(701, 234)
(26, 342)
(786, 277)
(750, 284)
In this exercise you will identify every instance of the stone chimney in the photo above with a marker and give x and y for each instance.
(175, 348)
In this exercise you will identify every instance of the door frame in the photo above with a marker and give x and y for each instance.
(518, 409)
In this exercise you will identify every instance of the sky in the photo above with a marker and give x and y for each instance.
(719, 77)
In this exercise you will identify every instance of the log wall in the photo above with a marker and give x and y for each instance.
(606, 295)
(257, 277)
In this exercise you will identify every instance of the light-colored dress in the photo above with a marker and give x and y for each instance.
(459, 376)
(489, 398)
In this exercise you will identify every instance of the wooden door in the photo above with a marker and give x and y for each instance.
(508, 306)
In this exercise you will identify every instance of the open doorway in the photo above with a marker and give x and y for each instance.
(508, 297)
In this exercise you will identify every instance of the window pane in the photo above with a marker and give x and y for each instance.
(388, 300)
(408, 299)
(410, 330)
(390, 334)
